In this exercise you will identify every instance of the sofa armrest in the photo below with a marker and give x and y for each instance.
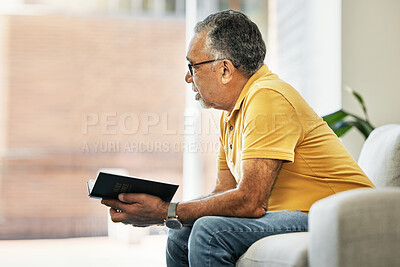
(359, 227)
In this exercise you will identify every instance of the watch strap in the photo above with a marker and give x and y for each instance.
(172, 210)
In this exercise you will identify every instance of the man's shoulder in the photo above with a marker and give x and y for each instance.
(275, 90)
(272, 90)
(272, 86)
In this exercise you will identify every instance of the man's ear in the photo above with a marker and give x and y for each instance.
(227, 71)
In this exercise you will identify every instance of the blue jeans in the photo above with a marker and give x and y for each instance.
(220, 241)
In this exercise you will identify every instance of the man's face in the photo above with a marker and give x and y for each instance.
(204, 77)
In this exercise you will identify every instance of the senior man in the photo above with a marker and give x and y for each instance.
(276, 158)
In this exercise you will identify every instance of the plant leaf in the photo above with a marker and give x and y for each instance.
(342, 127)
(342, 121)
(364, 127)
(335, 117)
(359, 99)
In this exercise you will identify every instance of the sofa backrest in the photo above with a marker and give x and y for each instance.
(380, 156)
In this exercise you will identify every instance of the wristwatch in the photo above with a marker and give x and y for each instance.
(172, 221)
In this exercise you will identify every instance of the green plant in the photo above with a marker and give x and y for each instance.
(342, 121)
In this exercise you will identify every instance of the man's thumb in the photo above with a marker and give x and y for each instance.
(131, 197)
(125, 198)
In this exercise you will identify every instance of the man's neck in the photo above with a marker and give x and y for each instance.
(237, 87)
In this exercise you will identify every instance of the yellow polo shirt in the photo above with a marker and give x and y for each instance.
(272, 120)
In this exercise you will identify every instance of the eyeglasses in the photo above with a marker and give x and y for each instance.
(204, 62)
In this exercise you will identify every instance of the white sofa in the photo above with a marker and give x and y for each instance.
(358, 227)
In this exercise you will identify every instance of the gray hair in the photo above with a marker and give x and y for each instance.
(232, 35)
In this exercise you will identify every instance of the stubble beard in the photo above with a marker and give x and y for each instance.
(203, 104)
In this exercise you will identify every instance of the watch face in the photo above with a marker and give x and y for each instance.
(173, 224)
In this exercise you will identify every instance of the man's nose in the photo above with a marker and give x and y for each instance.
(188, 77)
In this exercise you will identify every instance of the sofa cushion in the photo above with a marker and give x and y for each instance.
(380, 156)
(281, 250)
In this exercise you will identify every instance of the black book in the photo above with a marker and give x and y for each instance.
(109, 185)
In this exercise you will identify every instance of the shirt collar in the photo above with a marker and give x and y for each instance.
(261, 72)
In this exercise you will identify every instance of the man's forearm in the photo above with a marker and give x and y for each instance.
(231, 203)
(201, 197)
(213, 193)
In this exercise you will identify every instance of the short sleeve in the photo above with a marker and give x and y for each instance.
(222, 165)
(271, 126)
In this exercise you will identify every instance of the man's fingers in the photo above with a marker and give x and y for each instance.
(131, 197)
(109, 202)
(117, 216)
(114, 204)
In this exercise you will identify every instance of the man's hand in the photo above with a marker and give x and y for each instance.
(137, 209)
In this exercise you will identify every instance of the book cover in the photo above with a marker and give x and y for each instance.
(109, 185)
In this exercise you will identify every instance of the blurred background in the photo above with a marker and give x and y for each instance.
(99, 84)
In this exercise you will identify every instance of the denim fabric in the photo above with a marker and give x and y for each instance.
(220, 241)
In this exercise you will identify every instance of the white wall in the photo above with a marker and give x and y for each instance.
(304, 48)
(371, 62)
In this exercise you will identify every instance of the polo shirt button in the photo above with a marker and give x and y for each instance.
(231, 128)
(230, 146)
